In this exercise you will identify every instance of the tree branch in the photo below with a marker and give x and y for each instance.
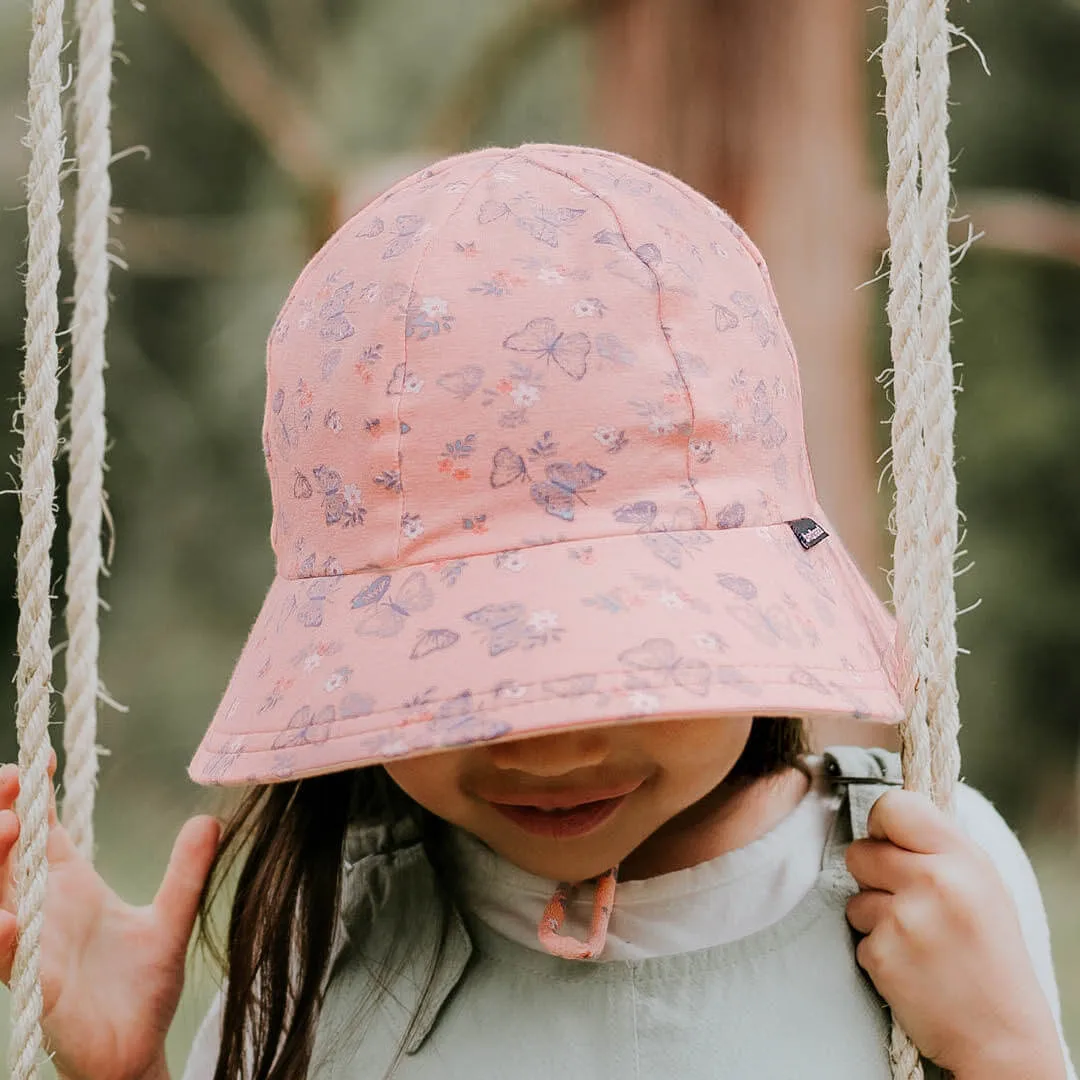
(499, 59)
(260, 95)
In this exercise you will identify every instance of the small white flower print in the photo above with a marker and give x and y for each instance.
(510, 689)
(589, 308)
(543, 621)
(640, 702)
(435, 307)
(550, 275)
(412, 384)
(311, 662)
(411, 526)
(671, 600)
(661, 425)
(512, 561)
(525, 395)
(713, 642)
(611, 439)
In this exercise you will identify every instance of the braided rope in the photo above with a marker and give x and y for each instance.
(37, 487)
(915, 63)
(939, 406)
(86, 485)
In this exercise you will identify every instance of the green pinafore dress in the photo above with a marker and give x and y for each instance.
(786, 1002)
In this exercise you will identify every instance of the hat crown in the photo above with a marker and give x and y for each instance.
(519, 347)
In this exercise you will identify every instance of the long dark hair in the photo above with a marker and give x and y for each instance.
(280, 935)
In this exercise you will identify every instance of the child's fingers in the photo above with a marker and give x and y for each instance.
(867, 908)
(911, 821)
(177, 900)
(8, 939)
(9, 833)
(9, 786)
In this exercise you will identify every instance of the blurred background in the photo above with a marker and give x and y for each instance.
(253, 127)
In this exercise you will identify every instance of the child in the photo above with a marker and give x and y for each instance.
(554, 599)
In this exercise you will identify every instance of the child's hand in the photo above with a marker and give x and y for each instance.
(944, 945)
(111, 974)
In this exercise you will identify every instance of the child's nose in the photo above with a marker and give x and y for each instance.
(552, 755)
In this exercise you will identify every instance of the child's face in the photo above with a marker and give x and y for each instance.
(677, 763)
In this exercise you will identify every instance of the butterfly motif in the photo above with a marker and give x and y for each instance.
(506, 467)
(456, 711)
(504, 623)
(630, 266)
(628, 182)
(657, 663)
(742, 587)
(770, 627)
(760, 319)
(383, 615)
(669, 546)
(572, 686)
(731, 516)
(543, 339)
(429, 641)
(374, 228)
(649, 254)
(310, 613)
(306, 728)
(641, 513)
(402, 381)
(611, 348)
(802, 677)
(407, 228)
(462, 381)
(341, 502)
(334, 323)
(724, 318)
(564, 485)
(611, 238)
(302, 488)
(771, 432)
(492, 210)
(222, 760)
(546, 223)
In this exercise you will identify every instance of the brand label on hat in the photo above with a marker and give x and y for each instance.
(808, 532)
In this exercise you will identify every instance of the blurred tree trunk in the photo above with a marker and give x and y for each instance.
(762, 106)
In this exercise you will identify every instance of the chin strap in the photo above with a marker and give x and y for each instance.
(566, 946)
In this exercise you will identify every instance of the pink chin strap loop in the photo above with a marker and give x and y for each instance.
(566, 946)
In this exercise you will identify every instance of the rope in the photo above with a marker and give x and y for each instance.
(939, 406)
(915, 63)
(85, 488)
(36, 490)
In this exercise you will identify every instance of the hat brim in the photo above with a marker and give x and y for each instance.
(353, 670)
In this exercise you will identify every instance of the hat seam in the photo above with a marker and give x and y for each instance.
(659, 322)
(436, 233)
(580, 540)
(508, 703)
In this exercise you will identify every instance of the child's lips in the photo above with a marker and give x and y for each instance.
(565, 800)
(562, 824)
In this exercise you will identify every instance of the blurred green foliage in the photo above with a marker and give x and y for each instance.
(224, 232)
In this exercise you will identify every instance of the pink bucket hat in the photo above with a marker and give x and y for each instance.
(535, 442)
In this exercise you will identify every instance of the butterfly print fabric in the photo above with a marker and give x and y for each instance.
(534, 436)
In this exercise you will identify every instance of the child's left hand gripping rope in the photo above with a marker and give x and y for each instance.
(944, 944)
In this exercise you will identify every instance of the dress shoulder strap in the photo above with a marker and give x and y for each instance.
(863, 774)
